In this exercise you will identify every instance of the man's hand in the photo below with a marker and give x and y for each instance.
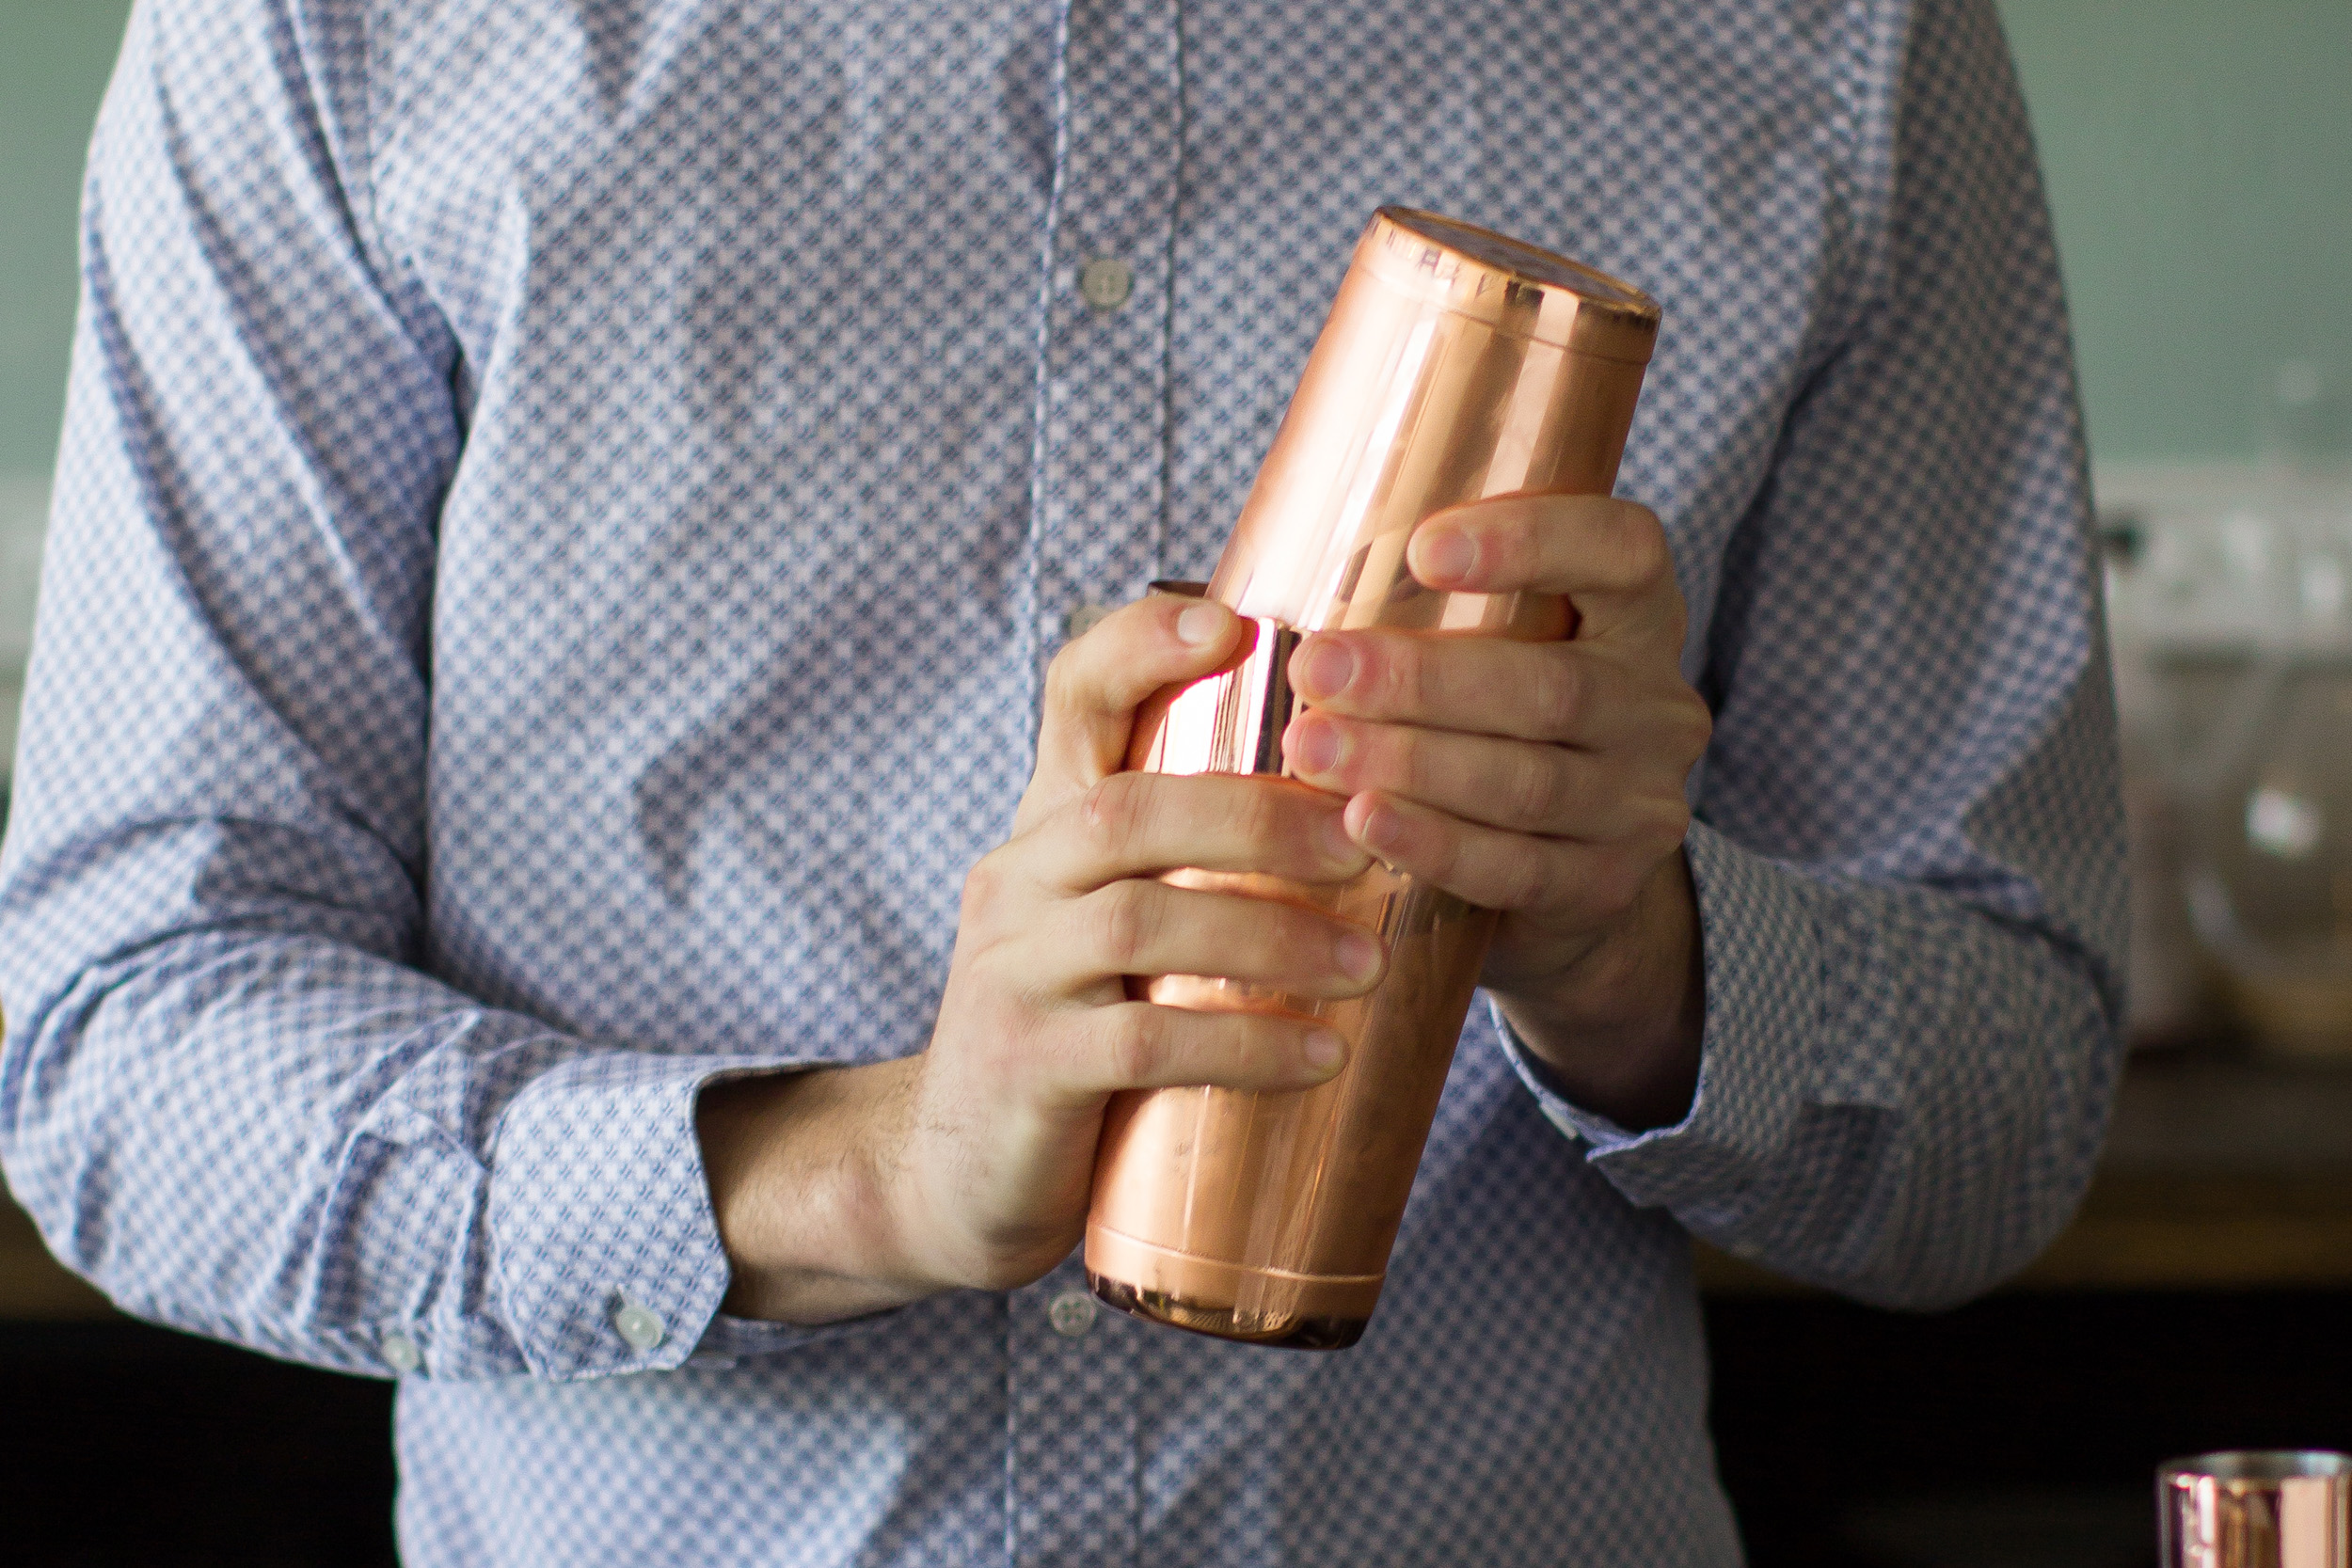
(1543, 779)
(840, 1190)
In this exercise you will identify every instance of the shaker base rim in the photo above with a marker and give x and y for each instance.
(1222, 1322)
(1259, 1305)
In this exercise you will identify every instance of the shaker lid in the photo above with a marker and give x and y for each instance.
(1512, 284)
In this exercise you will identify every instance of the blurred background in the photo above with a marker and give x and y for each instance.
(2197, 161)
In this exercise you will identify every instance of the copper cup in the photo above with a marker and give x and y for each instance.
(2256, 1508)
(1455, 364)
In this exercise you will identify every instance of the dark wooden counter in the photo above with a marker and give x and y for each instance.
(33, 1287)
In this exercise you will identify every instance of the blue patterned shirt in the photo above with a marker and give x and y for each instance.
(565, 508)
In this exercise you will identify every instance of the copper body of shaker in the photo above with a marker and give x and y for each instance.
(1455, 364)
(2256, 1508)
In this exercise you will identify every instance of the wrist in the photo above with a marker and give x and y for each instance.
(800, 1166)
(1619, 1030)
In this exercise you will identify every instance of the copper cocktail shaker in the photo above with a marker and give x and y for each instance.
(2256, 1508)
(1455, 364)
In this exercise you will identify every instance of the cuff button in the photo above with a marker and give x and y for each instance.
(638, 1328)
(400, 1352)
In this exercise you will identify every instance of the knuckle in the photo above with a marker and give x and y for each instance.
(1389, 674)
(1647, 556)
(1531, 791)
(1265, 818)
(1064, 678)
(1129, 921)
(1402, 760)
(1559, 692)
(986, 882)
(1419, 681)
(1138, 1042)
(1698, 727)
(1111, 810)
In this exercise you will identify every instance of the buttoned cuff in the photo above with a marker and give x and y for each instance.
(1761, 945)
(605, 1253)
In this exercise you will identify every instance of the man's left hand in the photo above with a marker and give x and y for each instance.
(1542, 779)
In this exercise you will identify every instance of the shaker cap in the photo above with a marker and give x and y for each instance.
(1510, 284)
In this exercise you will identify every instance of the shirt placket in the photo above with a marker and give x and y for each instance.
(1073, 1417)
(1103, 429)
(1101, 504)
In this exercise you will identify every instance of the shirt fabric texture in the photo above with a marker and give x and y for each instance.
(565, 508)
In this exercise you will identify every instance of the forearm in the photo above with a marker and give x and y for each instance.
(1619, 1033)
(800, 1168)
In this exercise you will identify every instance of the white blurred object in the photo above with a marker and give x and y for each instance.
(2270, 867)
(2150, 571)
(2232, 637)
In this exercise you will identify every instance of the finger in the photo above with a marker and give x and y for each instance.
(1611, 558)
(1527, 786)
(1095, 683)
(1140, 1045)
(1577, 885)
(1558, 691)
(1144, 927)
(1139, 824)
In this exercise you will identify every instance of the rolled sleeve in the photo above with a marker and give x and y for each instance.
(1763, 980)
(606, 1253)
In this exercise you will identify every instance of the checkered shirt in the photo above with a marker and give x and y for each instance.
(563, 511)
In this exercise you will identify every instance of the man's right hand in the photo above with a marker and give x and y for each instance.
(844, 1190)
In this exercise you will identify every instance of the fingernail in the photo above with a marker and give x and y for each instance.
(1324, 1049)
(1325, 669)
(1447, 553)
(1202, 624)
(1358, 955)
(1383, 831)
(1315, 749)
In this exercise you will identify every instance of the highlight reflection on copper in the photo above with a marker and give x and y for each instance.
(1455, 364)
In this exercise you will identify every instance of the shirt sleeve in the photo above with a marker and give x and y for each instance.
(1909, 856)
(228, 1093)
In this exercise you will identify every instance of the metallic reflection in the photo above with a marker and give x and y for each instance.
(1457, 364)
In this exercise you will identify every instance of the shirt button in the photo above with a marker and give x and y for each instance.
(1086, 618)
(639, 1328)
(1072, 1314)
(400, 1352)
(1105, 282)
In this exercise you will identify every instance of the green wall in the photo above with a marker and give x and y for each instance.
(54, 55)
(2200, 161)
(2200, 165)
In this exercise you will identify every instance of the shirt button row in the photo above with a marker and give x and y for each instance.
(1105, 282)
(1072, 1314)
